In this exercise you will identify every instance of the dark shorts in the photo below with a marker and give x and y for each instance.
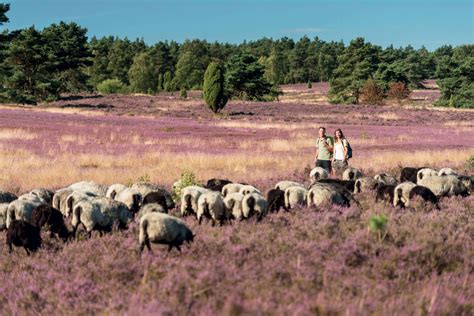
(339, 166)
(325, 164)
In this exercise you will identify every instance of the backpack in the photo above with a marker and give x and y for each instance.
(349, 150)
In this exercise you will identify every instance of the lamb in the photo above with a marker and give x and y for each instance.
(276, 199)
(45, 194)
(408, 174)
(283, 185)
(385, 192)
(231, 188)
(254, 203)
(46, 215)
(233, 204)
(132, 198)
(425, 172)
(89, 186)
(3, 215)
(386, 178)
(115, 189)
(426, 194)
(401, 194)
(23, 234)
(7, 197)
(348, 184)
(145, 188)
(189, 199)
(216, 184)
(365, 184)
(248, 189)
(318, 173)
(161, 228)
(149, 208)
(328, 193)
(351, 174)
(211, 205)
(295, 196)
(444, 185)
(21, 210)
(446, 172)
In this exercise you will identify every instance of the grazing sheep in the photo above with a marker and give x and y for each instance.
(115, 189)
(348, 184)
(276, 199)
(211, 205)
(365, 184)
(385, 192)
(254, 204)
(351, 174)
(401, 193)
(46, 215)
(328, 193)
(408, 174)
(3, 215)
(73, 198)
(156, 197)
(248, 189)
(426, 194)
(189, 199)
(21, 210)
(444, 185)
(216, 184)
(145, 188)
(425, 172)
(233, 204)
(45, 194)
(132, 198)
(231, 188)
(386, 178)
(149, 208)
(7, 197)
(90, 186)
(318, 173)
(164, 229)
(31, 198)
(283, 185)
(59, 199)
(295, 196)
(23, 234)
(468, 182)
(446, 172)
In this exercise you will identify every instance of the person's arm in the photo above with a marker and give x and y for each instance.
(344, 146)
(317, 151)
(330, 145)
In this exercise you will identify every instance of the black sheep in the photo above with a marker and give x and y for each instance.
(409, 174)
(23, 234)
(426, 194)
(7, 197)
(275, 200)
(53, 218)
(385, 192)
(216, 184)
(155, 197)
(348, 184)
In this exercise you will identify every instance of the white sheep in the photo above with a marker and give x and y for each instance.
(386, 179)
(32, 198)
(162, 228)
(318, 173)
(401, 194)
(189, 199)
(59, 200)
(446, 172)
(249, 189)
(365, 184)
(3, 215)
(231, 188)
(254, 204)
(211, 205)
(444, 185)
(283, 185)
(130, 197)
(149, 208)
(73, 198)
(351, 173)
(233, 203)
(115, 189)
(295, 196)
(89, 186)
(425, 172)
(22, 209)
(45, 194)
(328, 193)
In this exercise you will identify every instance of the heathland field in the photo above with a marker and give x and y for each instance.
(308, 261)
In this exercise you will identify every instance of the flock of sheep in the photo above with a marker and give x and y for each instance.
(98, 207)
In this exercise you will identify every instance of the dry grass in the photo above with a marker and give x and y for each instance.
(261, 126)
(16, 133)
(389, 116)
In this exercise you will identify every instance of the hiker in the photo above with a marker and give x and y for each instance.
(324, 149)
(340, 157)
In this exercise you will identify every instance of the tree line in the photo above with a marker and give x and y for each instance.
(40, 65)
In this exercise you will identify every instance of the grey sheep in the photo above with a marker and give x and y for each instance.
(386, 179)
(425, 172)
(328, 193)
(145, 188)
(254, 204)
(89, 186)
(59, 200)
(74, 198)
(149, 208)
(249, 189)
(318, 173)
(446, 172)
(3, 215)
(351, 174)
(283, 185)
(115, 189)
(211, 205)
(231, 188)
(45, 194)
(233, 204)
(189, 199)
(295, 196)
(444, 185)
(164, 229)
(401, 194)
(130, 197)
(22, 209)
(365, 184)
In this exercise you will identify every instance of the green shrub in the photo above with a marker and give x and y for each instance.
(187, 178)
(378, 225)
(183, 94)
(310, 85)
(110, 86)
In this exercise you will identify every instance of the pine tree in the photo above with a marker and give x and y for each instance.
(141, 74)
(214, 91)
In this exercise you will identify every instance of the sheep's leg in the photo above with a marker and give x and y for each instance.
(89, 234)
(213, 223)
(147, 243)
(26, 249)
(170, 247)
(10, 247)
(199, 220)
(178, 247)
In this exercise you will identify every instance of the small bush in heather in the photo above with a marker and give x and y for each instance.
(470, 163)
(214, 91)
(371, 92)
(398, 91)
(378, 225)
(183, 94)
(187, 178)
(142, 178)
(110, 86)
(310, 85)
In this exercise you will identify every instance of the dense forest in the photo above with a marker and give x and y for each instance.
(40, 65)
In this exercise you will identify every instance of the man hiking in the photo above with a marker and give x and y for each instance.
(324, 150)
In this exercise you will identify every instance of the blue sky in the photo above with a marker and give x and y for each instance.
(417, 22)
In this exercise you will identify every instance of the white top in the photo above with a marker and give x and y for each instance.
(339, 151)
